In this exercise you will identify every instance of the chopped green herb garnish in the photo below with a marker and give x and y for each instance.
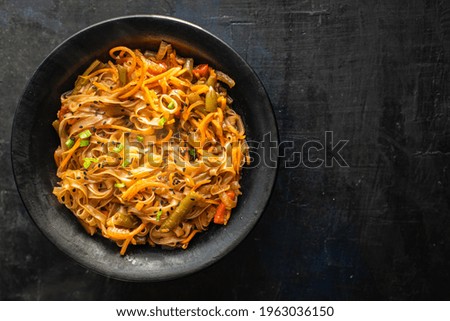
(88, 161)
(70, 142)
(84, 142)
(140, 138)
(158, 215)
(85, 134)
(118, 148)
(162, 121)
(126, 163)
(171, 105)
(119, 185)
(192, 152)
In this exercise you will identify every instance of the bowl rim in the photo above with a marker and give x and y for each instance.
(120, 276)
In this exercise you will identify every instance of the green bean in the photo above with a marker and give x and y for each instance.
(223, 77)
(180, 212)
(82, 80)
(189, 65)
(212, 80)
(211, 100)
(125, 220)
(164, 48)
(193, 97)
(122, 75)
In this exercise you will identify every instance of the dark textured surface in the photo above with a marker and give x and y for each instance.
(376, 73)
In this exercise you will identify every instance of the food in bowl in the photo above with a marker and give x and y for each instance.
(151, 150)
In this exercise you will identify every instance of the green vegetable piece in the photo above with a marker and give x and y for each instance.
(122, 75)
(84, 143)
(193, 97)
(125, 163)
(125, 220)
(85, 134)
(211, 100)
(180, 212)
(88, 161)
(212, 80)
(119, 185)
(162, 121)
(86, 164)
(140, 139)
(158, 215)
(69, 143)
(192, 152)
(118, 148)
(83, 80)
(171, 105)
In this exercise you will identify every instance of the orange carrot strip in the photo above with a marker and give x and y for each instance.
(219, 217)
(167, 73)
(128, 51)
(70, 153)
(139, 84)
(189, 238)
(231, 194)
(130, 237)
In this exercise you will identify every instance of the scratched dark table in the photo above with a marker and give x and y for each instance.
(360, 209)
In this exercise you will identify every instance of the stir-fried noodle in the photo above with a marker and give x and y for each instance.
(150, 149)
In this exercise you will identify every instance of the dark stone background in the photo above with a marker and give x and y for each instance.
(375, 73)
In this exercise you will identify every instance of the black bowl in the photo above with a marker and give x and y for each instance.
(34, 141)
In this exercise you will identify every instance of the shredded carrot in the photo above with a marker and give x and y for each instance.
(200, 89)
(163, 84)
(99, 71)
(69, 154)
(101, 86)
(136, 187)
(179, 73)
(189, 238)
(192, 106)
(222, 101)
(128, 51)
(140, 82)
(202, 127)
(167, 73)
(130, 237)
(231, 194)
(139, 206)
(219, 217)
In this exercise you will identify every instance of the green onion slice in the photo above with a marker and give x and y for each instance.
(84, 142)
(162, 121)
(88, 161)
(158, 215)
(118, 148)
(85, 134)
(70, 142)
